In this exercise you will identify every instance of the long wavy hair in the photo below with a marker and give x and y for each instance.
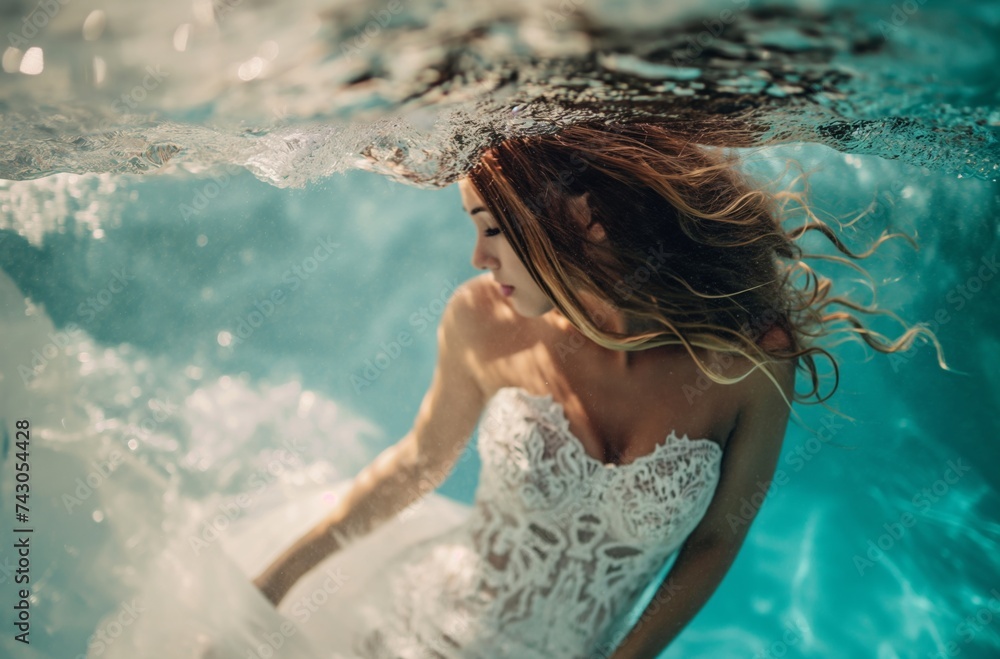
(691, 245)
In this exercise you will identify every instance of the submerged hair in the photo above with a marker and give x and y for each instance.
(691, 246)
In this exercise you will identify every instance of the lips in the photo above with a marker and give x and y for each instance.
(505, 289)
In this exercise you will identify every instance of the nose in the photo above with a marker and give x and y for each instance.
(482, 258)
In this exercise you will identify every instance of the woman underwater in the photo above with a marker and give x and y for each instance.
(638, 288)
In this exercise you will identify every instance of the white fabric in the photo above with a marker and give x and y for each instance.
(547, 562)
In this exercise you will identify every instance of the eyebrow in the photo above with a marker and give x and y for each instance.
(477, 209)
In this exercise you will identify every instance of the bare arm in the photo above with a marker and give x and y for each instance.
(707, 554)
(407, 470)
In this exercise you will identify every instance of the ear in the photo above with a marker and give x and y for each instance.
(581, 213)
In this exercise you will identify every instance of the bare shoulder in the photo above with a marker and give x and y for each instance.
(477, 314)
(757, 392)
(478, 294)
(776, 338)
(751, 451)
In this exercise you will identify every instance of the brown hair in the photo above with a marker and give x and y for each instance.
(725, 265)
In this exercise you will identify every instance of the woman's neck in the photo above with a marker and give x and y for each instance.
(610, 318)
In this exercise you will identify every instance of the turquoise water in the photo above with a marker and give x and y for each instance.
(150, 416)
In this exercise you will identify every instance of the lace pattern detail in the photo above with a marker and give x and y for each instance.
(558, 546)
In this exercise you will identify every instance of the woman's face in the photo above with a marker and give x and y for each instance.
(493, 252)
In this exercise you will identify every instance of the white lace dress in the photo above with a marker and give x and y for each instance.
(547, 562)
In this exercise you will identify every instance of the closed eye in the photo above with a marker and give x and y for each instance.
(492, 232)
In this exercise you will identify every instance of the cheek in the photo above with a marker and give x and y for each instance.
(511, 258)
